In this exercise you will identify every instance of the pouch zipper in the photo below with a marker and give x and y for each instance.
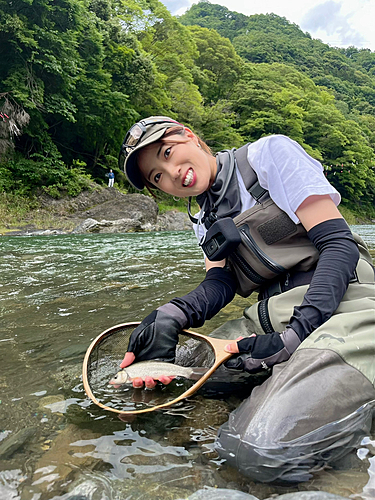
(262, 256)
(264, 317)
(247, 269)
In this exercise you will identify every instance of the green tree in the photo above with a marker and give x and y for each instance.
(213, 16)
(220, 66)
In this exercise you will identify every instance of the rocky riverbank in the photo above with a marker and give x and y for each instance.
(104, 210)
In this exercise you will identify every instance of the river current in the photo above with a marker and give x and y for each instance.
(57, 293)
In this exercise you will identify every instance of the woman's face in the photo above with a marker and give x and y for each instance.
(177, 165)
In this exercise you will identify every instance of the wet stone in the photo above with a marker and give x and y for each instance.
(49, 400)
(63, 460)
(309, 495)
(68, 375)
(72, 351)
(339, 482)
(94, 485)
(220, 494)
(15, 442)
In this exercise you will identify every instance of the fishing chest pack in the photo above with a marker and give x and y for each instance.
(261, 243)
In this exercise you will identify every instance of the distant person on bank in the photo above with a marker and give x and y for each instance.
(111, 178)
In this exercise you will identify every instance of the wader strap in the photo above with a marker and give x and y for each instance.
(249, 176)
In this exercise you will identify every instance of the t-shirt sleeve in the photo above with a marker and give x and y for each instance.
(288, 173)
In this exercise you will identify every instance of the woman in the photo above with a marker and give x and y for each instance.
(316, 308)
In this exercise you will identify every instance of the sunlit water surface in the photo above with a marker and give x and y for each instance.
(57, 293)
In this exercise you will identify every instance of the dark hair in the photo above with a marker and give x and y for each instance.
(178, 130)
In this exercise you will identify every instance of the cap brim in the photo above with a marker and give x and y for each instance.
(131, 168)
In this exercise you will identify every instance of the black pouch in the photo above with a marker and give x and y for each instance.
(221, 239)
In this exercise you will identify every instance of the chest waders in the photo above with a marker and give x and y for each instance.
(318, 405)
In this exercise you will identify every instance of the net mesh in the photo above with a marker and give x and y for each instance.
(104, 362)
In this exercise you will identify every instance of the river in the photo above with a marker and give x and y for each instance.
(57, 293)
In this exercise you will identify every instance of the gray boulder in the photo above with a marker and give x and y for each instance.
(112, 226)
(219, 494)
(308, 495)
(173, 221)
(223, 494)
(136, 207)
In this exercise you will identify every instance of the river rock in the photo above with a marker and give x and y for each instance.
(16, 441)
(170, 221)
(308, 495)
(111, 226)
(104, 210)
(173, 221)
(102, 203)
(219, 494)
(97, 485)
(136, 207)
(71, 451)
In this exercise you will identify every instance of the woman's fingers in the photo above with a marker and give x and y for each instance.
(165, 380)
(233, 346)
(128, 360)
(149, 382)
(137, 383)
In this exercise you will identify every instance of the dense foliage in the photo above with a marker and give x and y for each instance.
(76, 73)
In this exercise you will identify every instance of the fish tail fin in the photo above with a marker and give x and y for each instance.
(198, 372)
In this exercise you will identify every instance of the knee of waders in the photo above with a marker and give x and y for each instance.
(313, 410)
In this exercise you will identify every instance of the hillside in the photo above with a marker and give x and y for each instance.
(75, 76)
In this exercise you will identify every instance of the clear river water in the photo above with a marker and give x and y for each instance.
(57, 293)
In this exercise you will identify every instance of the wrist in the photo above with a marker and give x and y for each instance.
(175, 312)
(291, 340)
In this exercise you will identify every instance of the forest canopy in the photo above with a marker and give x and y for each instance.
(75, 74)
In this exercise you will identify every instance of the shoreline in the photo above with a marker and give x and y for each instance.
(103, 210)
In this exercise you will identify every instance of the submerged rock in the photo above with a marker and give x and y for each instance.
(223, 494)
(219, 494)
(308, 495)
(16, 441)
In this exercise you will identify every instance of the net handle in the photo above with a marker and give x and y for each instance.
(216, 344)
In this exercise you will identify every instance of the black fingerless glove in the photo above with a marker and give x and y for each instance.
(264, 351)
(157, 336)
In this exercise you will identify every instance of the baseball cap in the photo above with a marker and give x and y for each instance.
(141, 134)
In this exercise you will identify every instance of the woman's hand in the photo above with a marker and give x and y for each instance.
(260, 352)
(155, 338)
(148, 382)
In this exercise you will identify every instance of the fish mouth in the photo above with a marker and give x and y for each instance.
(114, 383)
(190, 178)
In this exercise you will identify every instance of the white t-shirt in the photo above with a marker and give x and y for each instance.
(288, 173)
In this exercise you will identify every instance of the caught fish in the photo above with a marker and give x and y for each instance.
(155, 369)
